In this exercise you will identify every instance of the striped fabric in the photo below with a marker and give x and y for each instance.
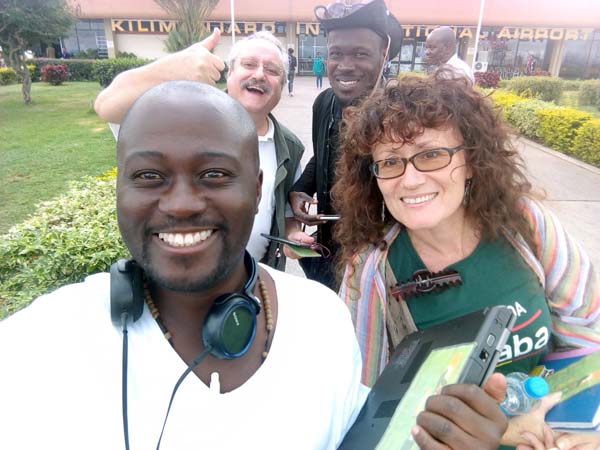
(561, 265)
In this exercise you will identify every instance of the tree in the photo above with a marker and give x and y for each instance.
(24, 23)
(191, 15)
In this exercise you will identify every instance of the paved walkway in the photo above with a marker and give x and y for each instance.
(572, 188)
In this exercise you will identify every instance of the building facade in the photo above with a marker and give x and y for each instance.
(518, 37)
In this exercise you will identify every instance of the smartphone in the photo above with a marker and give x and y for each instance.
(329, 216)
(464, 350)
(285, 241)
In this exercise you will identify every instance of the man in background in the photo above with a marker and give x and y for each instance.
(293, 63)
(440, 51)
(318, 69)
(360, 38)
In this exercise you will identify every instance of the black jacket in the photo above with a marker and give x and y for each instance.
(318, 175)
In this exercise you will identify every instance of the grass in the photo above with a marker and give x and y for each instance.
(55, 139)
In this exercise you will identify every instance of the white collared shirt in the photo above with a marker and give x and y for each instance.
(257, 245)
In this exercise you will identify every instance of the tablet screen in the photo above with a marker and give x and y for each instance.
(443, 366)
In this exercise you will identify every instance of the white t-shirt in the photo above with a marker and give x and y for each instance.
(257, 245)
(61, 378)
(461, 68)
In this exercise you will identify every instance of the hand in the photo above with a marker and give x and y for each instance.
(532, 422)
(560, 441)
(195, 63)
(299, 201)
(298, 236)
(463, 417)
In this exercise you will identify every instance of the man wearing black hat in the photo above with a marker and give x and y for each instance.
(360, 37)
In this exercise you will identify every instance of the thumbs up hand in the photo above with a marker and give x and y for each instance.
(195, 63)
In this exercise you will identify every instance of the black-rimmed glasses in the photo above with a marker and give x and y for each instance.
(337, 10)
(425, 161)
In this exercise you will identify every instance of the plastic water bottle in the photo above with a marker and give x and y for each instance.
(522, 393)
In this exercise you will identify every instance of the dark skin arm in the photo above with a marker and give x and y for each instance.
(463, 417)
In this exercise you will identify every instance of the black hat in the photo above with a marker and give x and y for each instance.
(374, 16)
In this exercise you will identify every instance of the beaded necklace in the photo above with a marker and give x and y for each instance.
(266, 303)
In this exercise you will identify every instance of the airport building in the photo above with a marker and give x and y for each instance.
(517, 36)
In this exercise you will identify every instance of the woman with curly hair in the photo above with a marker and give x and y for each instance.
(428, 181)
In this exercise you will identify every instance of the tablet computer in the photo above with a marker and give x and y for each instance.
(464, 350)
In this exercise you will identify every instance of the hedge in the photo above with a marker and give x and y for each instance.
(586, 145)
(522, 116)
(558, 127)
(105, 70)
(80, 69)
(7, 76)
(589, 93)
(64, 240)
(548, 89)
(505, 100)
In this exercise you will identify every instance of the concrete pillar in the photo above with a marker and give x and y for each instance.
(557, 50)
(111, 41)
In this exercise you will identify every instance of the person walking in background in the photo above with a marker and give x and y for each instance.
(293, 62)
(441, 51)
(318, 69)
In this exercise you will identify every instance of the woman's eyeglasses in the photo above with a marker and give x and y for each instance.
(337, 10)
(425, 161)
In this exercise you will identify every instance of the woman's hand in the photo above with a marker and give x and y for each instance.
(463, 417)
(532, 422)
(560, 441)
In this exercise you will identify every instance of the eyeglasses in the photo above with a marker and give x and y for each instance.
(425, 161)
(269, 68)
(337, 10)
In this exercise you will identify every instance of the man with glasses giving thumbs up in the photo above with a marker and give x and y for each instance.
(257, 72)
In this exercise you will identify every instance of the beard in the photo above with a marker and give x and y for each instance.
(226, 262)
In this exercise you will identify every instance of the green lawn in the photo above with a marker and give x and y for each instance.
(55, 139)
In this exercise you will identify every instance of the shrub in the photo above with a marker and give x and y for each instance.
(571, 85)
(586, 146)
(105, 70)
(558, 126)
(522, 116)
(80, 69)
(55, 74)
(7, 76)
(505, 100)
(589, 93)
(540, 73)
(126, 55)
(487, 79)
(548, 89)
(64, 240)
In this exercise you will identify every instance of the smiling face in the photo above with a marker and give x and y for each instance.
(188, 185)
(355, 57)
(256, 77)
(425, 200)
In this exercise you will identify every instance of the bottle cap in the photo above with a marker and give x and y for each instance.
(536, 387)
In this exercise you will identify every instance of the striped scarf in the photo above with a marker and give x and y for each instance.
(563, 268)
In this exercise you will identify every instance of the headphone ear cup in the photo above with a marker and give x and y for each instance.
(230, 326)
(126, 291)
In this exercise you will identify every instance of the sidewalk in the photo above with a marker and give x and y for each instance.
(572, 188)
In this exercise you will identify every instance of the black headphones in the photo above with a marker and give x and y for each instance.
(229, 326)
(228, 329)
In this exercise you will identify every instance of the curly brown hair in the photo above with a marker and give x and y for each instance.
(399, 113)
